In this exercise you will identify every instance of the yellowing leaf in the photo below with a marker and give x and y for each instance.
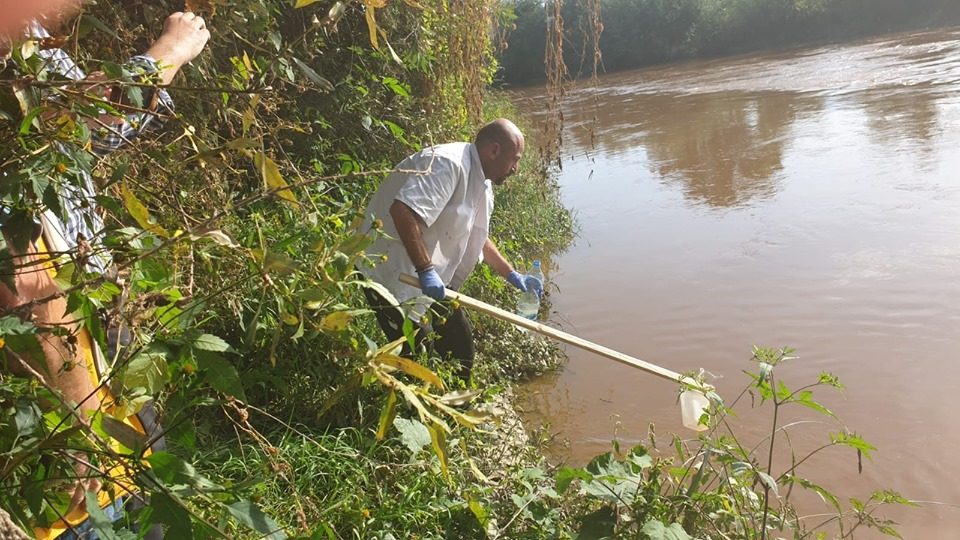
(439, 439)
(336, 321)
(140, 213)
(272, 177)
(221, 238)
(304, 3)
(278, 263)
(372, 24)
(410, 368)
(387, 415)
(393, 53)
(29, 48)
(290, 319)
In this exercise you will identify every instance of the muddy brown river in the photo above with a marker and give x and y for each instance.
(808, 199)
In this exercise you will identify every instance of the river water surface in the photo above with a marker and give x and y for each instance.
(808, 199)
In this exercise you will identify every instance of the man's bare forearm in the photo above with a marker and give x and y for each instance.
(408, 225)
(492, 256)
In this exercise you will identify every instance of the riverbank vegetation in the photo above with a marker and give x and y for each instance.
(235, 235)
(638, 33)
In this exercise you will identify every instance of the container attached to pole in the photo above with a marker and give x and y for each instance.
(692, 406)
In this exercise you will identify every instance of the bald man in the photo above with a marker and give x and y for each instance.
(435, 208)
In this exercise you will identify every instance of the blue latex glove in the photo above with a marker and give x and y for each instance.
(524, 283)
(431, 284)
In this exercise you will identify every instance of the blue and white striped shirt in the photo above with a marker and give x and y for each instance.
(83, 223)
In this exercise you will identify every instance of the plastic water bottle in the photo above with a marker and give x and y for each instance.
(529, 304)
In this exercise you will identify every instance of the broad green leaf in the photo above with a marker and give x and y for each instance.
(656, 530)
(250, 515)
(640, 458)
(769, 481)
(173, 470)
(140, 213)
(14, 325)
(612, 481)
(210, 342)
(387, 415)
(169, 511)
(396, 86)
(148, 370)
(566, 475)
(413, 434)
(272, 178)
(27, 417)
(220, 374)
(101, 523)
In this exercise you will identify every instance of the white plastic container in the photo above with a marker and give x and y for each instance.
(692, 406)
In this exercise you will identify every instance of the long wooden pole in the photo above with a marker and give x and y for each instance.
(563, 336)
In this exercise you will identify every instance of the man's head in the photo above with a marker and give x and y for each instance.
(500, 145)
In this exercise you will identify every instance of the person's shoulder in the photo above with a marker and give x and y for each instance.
(453, 151)
(449, 156)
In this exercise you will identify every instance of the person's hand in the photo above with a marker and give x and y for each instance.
(431, 284)
(525, 283)
(516, 279)
(534, 284)
(184, 36)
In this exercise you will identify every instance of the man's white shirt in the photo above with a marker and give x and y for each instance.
(446, 187)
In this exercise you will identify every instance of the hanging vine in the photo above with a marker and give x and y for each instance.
(555, 66)
(556, 70)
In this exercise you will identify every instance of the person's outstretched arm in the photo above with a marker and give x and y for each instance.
(183, 37)
(499, 263)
